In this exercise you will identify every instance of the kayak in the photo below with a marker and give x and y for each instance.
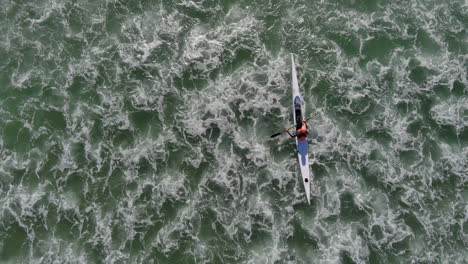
(302, 146)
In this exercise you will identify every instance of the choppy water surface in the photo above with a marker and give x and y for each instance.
(138, 131)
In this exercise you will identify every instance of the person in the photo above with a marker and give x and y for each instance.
(301, 131)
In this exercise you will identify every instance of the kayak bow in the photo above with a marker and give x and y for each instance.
(302, 146)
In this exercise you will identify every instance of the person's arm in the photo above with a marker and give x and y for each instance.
(290, 134)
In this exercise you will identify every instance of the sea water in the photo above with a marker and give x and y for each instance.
(139, 131)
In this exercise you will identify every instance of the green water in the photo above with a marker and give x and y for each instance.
(139, 131)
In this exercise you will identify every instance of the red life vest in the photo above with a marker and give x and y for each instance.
(302, 132)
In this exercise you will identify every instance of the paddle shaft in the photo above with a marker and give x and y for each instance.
(279, 133)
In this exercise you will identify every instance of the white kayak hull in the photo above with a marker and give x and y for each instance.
(301, 144)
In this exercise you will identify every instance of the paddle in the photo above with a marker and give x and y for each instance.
(279, 133)
(314, 134)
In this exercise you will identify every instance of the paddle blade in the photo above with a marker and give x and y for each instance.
(314, 134)
(277, 134)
